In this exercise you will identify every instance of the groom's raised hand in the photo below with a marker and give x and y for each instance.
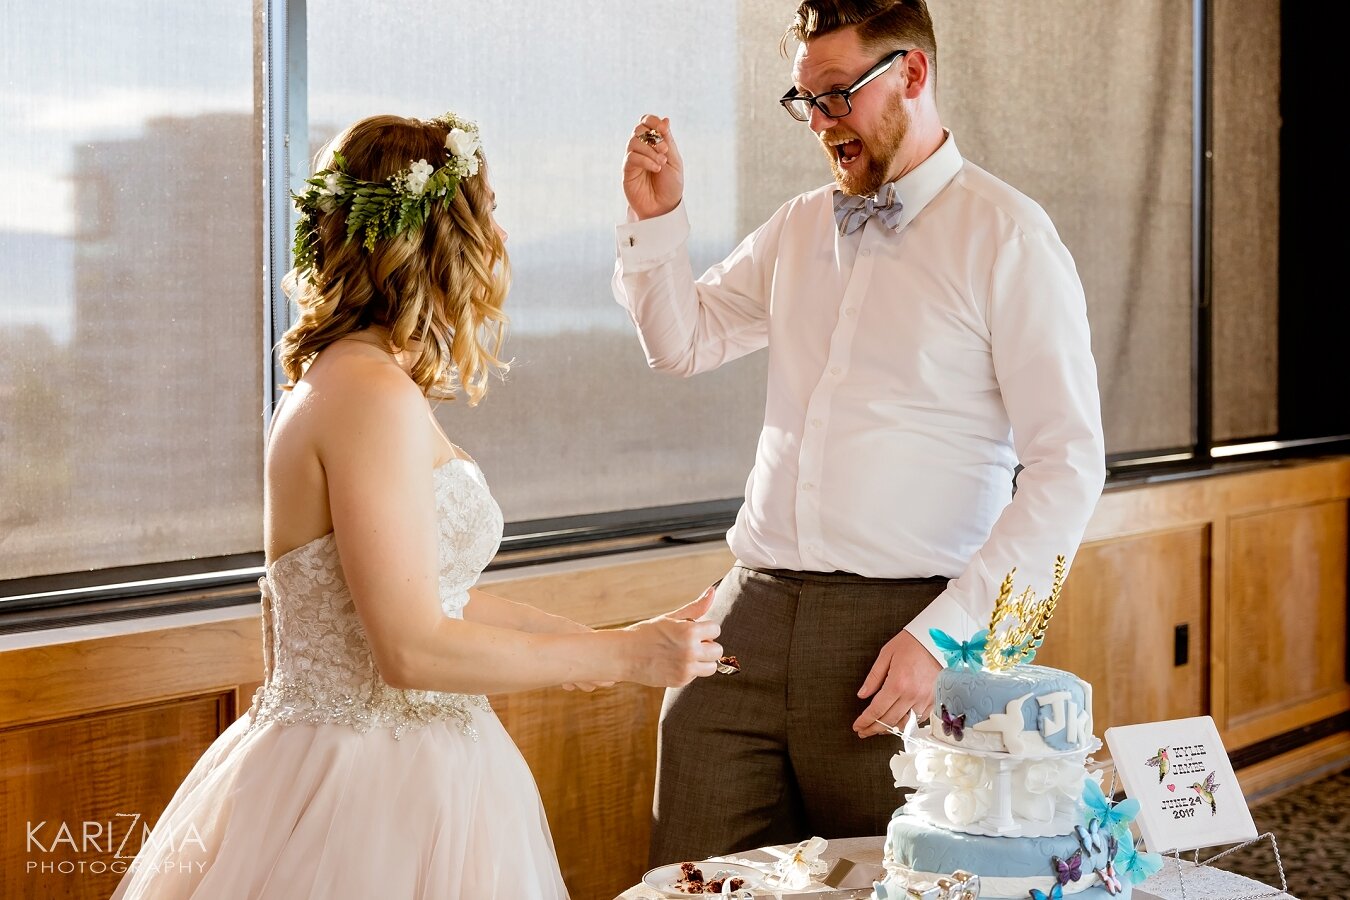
(653, 172)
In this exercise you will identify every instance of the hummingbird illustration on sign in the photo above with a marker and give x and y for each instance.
(1160, 762)
(1206, 791)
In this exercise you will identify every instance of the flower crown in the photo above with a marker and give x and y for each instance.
(383, 209)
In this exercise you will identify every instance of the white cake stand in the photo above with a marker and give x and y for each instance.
(1000, 822)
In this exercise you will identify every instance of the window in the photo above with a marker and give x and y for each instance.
(138, 254)
(581, 425)
(130, 299)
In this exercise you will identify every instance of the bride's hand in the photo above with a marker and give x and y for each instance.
(674, 649)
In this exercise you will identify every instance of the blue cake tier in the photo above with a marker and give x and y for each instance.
(1008, 867)
(1023, 711)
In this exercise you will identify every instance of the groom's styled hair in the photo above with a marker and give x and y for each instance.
(881, 24)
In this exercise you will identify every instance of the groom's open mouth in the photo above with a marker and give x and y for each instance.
(846, 150)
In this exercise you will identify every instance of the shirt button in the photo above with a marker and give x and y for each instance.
(816, 423)
(808, 486)
(835, 370)
(866, 253)
(851, 311)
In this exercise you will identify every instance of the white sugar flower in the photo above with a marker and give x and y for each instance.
(929, 763)
(1033, 806)
(803, 861)
(966, 771)
(904, 769)
(416, 180)
(964, 807)
(1042, 776)
(462, 143)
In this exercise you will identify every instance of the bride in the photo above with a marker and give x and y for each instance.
(370, 764)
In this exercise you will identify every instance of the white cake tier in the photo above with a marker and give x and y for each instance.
(1025, 710)
(988, 793)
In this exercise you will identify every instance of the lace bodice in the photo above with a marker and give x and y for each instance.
(317, 661)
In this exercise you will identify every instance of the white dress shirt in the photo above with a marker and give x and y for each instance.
(909, 373)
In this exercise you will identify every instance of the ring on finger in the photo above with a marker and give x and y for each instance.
(651, 137)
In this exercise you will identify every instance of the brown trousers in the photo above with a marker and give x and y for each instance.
(768, 756)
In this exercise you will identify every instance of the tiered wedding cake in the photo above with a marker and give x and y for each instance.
(1004, 806)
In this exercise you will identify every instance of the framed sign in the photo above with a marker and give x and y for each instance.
(1184, 782)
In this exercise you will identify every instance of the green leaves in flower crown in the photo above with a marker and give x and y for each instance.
(378, 210)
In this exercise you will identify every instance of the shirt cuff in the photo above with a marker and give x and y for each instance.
(648, 243)
(944, 614)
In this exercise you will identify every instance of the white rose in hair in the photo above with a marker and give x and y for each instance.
(331, 185)
(418, 175)
(966, 771)
(964, 807)
(462, 143)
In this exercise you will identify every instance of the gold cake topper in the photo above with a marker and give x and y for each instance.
(1021, 639)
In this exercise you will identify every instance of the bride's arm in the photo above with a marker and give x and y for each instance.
(378, 453)
(489, 609)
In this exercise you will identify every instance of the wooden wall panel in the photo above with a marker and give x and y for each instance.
(76, 794)
(594, 759)
(1218, 553)
(67, 679)
(1286, 609)
(1116, 621)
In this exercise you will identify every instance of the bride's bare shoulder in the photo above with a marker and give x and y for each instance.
(355, 396)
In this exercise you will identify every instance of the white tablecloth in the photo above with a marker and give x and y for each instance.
(1201, 883)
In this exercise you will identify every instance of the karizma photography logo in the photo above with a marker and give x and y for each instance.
(111, 846)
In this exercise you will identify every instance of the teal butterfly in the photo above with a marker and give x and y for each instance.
(1138, 866)
(1025, 651)
(1056, 893)
(1115, 817)
(961, 653)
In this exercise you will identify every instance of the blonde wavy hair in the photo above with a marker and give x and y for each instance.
(437, 292)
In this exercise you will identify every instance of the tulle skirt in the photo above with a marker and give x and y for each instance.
(286, 812)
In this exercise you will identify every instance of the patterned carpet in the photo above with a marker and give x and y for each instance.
(1312, 825)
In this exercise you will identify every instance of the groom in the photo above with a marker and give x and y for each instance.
(927, 332)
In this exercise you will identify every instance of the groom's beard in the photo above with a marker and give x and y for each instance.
(866, 179)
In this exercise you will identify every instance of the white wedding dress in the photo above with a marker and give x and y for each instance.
(335, 785)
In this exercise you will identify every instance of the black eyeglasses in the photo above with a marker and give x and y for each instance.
(835, 104)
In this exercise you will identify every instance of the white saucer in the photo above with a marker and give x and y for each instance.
(664, 878)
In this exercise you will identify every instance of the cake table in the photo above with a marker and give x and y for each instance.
(1202, 883)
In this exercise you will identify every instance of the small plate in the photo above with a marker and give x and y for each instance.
(664, 878)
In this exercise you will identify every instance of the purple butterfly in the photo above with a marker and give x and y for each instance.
(1109, 879)
(954, 726)
(1056, 893)
(1070, 869)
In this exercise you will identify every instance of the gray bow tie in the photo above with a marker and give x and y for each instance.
(850, 212)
